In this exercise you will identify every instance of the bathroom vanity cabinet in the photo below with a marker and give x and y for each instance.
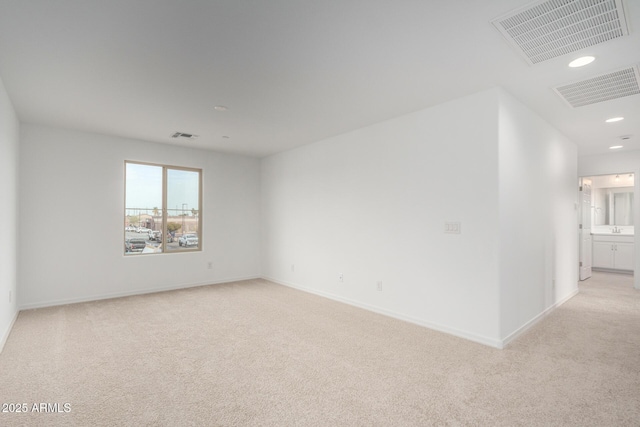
(613, 252)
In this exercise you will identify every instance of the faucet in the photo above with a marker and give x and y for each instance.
(615, 229)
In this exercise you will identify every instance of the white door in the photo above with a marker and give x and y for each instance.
(585, 228)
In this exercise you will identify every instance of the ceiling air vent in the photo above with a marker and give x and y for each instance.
(605, 87)
(184, 135)
(552, 28)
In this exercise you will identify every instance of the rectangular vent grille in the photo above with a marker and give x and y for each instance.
(553, 28)
(184, 135)
(601, 88)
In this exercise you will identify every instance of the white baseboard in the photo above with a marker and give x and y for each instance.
(5, 335)
(499, 344)
(52, 303)
(420, 322)
(536, 319)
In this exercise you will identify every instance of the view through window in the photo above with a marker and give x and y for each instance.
(162, 208)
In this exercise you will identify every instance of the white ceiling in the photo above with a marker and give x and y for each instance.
(291, 72)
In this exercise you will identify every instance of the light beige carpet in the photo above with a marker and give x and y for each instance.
(255, 353)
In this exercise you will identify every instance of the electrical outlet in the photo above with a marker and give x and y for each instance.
(341, 277)
(379, 285)
(210, 265)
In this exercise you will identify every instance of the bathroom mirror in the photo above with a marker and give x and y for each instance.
(613, 206)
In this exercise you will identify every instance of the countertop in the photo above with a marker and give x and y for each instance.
(609, 233)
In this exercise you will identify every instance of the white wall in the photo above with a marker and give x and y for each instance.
(538, 217)
(614, 163)
(371, 204)
(9, 134)
(71, 218)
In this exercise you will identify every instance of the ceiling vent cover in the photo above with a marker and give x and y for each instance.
(605, 87)
(552, 28)
(184, 135)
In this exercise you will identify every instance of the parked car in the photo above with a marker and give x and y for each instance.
(188, 240)
(155, 235)
(134, 245)
(142, 230)
(130, 228)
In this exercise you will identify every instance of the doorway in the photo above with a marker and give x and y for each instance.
(607, 230)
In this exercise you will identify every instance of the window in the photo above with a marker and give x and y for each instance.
(162, 209)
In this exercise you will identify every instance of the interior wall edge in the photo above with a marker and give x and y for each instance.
(538, 161)
(531, 323)
(9, 215)
(5, 335)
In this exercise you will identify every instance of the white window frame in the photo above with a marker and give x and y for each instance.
(164, 209)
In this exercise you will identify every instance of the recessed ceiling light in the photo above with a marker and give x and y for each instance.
(225, 136)
(220, 108)
(615, 147)
(580, 62)
(614, 119)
